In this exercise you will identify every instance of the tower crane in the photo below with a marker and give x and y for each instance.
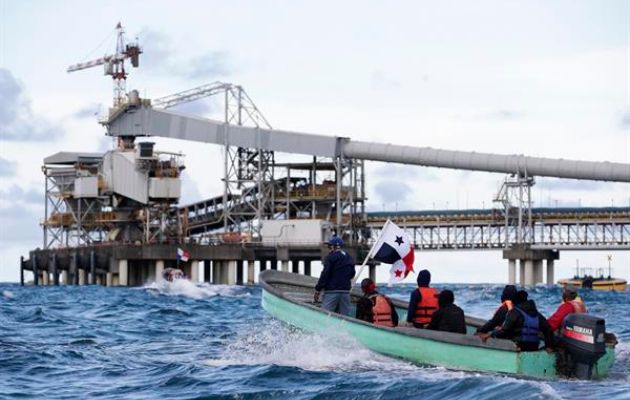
(115, 64)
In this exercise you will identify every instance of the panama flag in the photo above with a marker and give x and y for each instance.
(182, 255)
(394, 247)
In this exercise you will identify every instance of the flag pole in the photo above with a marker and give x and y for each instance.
(369, 254)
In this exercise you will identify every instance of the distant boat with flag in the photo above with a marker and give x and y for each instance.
(594, 278)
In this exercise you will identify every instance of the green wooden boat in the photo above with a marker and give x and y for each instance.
(289, 298)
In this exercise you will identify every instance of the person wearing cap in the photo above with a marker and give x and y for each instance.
(449, 317)
(523, 324)
(571, 303)
(423, 301)
(375, 307)
(499, 315)
(336, 278)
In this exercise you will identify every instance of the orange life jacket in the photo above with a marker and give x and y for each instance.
(578, 306)
(426, 306)
(382, 311)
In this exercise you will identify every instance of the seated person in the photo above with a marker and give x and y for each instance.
(449, 317)
(523, 324)
(571, 303)
(499, 315)
(374, 307)
(423, 301)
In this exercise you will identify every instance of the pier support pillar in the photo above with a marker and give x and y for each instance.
(263, 265)
(521, 272)
(45, 278)
(109, 279)
(229, 269)
(550, 267)
(371, 272)
(74, 267)
(206, 270)
(55, 271)
(123, 272)
(92, 275)
(217, 267)
(239, 272)
(194, 271)
(538, 271)
(251, 272)
(284, 265)
(295, 266)
(35, 270)
(21, 270)
(274, 264)
(159, 269)
(529, 272)
(512, 272)
(81, 276)
(307, 267)
(64, 277)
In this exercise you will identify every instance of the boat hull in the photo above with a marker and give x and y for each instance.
(437, 348)
(618, 285)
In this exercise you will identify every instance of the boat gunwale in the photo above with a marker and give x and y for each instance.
(266, 278)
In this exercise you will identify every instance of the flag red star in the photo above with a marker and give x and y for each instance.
(398, 273)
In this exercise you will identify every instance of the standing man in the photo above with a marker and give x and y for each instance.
(336, 278)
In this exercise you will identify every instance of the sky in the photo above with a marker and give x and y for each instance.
(540, 78)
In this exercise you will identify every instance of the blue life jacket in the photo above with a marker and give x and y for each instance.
(530, 329)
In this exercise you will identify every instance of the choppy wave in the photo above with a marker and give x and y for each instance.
(181, 340)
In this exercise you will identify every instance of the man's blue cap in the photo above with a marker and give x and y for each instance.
(335, 241)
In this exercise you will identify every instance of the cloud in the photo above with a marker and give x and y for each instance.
(625, 120)
(18, 224)
(7, 168)
(411, 172)
(160, 56)
(393, 191)
(209, 65)
(556, 184)
(380, 80)
(505, 114)
(199, 107)
(89, 111)
(190, 191)
(20, 212)
(18, 195)
(17, 122)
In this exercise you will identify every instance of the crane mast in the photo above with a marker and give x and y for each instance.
(114, 64)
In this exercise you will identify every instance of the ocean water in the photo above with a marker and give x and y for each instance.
(182, 341)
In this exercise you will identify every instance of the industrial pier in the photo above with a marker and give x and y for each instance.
(115, 219)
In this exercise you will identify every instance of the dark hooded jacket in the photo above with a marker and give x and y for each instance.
(449, 318)
(499, 315)
(514, 320)
(337, 273)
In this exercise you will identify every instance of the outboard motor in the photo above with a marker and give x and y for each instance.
(583, 339)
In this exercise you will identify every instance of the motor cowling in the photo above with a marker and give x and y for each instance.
(583, 338)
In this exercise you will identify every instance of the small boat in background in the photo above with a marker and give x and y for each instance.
(593, 278)
(173, 274)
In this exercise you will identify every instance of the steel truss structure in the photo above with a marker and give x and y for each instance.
(70, 220)
(461, 230)
(248, 172)
(258, 188)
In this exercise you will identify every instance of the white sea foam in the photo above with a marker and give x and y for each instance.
(8, 294)
(186, 288)
(276, 344)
